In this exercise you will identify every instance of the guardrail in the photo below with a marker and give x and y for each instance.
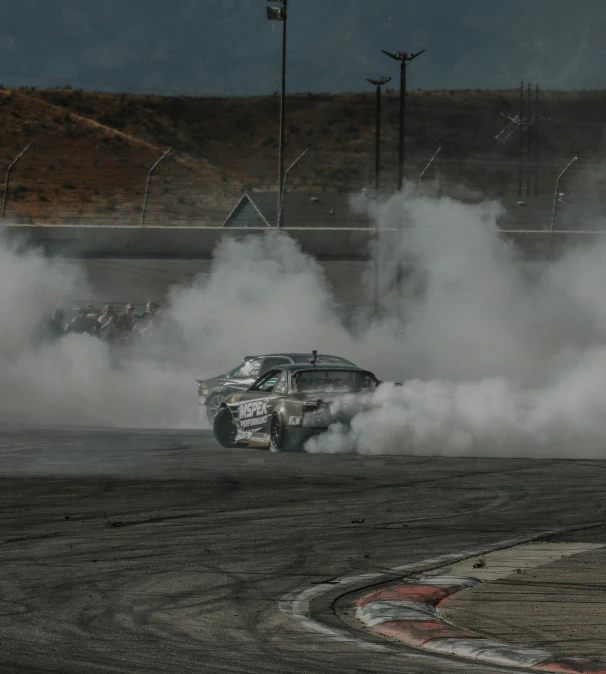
(196, 242)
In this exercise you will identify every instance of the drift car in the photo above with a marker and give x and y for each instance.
(213, 392)
(287, 405)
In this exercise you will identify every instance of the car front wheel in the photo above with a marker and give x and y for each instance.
(225, 429)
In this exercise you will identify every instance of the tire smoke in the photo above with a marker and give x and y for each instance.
(497, 354)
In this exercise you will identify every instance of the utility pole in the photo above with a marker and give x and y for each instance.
(279, 13)
(403, 57)
(521, 151)
(537, 141)
(378, 84)
(529, 132)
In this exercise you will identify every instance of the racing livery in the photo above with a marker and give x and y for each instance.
(287, 405)
(213, 392)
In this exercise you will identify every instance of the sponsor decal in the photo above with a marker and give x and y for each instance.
(294, 421)
(253, 413)
(253, 408)
(255, 421)
(251, 436)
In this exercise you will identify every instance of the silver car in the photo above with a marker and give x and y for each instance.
(213, 392)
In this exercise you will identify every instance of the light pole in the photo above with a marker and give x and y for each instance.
(403, 57)
(279, 13)
(378, 84)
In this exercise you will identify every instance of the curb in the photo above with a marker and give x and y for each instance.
(409, 613)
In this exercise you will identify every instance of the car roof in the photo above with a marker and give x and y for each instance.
(293, 355)
(300, 367)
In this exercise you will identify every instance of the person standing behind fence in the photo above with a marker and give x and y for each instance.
(107, 323)
(78, 324)
(149, 320)
(92, 319)
(53, 328)
(125, 324)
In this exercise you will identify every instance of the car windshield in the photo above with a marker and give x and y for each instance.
(345, 381)
(248, 369)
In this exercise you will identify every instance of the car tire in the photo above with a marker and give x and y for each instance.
(213, 406)
(280, 438)
(225, 430)
(276, 434)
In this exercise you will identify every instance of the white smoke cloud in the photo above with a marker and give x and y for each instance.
(75, 380)
(263, 295)
(498, 355)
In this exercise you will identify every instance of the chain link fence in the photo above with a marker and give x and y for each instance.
(114, 190)
(80, 171)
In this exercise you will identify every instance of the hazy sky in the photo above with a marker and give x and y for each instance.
(229, 47)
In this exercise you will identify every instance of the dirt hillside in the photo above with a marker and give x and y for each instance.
(89, 153)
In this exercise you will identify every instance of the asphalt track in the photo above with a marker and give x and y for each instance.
(157, 551)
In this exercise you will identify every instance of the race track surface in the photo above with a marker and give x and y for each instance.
(131, 551)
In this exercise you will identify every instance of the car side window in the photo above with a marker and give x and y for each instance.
(282, 386)
(271, 362)
(267, 383)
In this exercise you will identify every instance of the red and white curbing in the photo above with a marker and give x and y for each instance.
(409, 613)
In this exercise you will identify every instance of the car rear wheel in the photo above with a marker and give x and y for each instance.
(276, 434)
(213, 405)
(225, 429)
(281, 439)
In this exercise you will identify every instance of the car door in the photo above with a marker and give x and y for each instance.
(256, 404)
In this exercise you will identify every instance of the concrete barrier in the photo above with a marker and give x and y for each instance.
(199, 243)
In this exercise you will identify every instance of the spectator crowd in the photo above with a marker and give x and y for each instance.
(114, 327)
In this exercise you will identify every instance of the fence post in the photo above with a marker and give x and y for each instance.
(8, 173)
(149, 175)
(292, 166)
(557, 191)
(429, 163)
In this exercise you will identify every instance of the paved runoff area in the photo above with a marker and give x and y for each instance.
(156, 551)
(423, 611)
(556, 606)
